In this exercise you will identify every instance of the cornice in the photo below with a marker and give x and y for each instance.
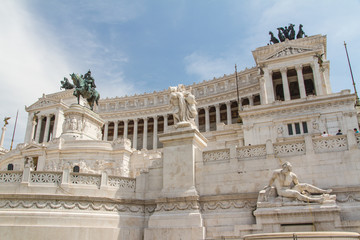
(307, 44)
(296, 106)
(46, 103)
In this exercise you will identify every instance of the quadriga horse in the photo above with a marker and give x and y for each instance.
(81, 89)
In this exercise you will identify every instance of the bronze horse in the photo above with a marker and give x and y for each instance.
(81, 89)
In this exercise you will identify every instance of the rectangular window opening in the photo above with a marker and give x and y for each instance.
(304, 125)
(297, 128)
(290, 130)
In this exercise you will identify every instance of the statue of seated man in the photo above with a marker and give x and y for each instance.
(287, 185)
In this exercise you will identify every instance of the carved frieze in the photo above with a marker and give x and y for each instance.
(42, 103)
(70, 205)
(177, 206)
(216, 206)
(288, 51)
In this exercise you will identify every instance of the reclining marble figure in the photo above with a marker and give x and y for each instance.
(287, 185)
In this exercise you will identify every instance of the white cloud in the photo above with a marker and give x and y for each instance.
(207, 67)
(30, 63)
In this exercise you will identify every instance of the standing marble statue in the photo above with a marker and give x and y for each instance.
(183, 105)
(287, 185)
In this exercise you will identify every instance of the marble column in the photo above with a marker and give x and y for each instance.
(38, 129)
(262, 91)
(116, 128)
(106, 131)
(240, 108)
(2, 137)
(301, 81)
(135, 133)
(228, 112)
(155, 138)
(217, 111)
(165, 122)
(197, 120)
(32, 136)
(285, 83)
(126, 126)
(47, 128)
(317, 78)
(207, 119)
(28, 135)
(145, 133)
(269, 95)
(251, 100)
(58, 123)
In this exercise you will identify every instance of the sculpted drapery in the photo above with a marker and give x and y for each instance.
(183, 104)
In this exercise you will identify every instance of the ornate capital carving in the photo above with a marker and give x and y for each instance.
(298, 67)
(283, 70)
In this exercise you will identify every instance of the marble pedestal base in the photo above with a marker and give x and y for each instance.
(176, 218)
(177, 214)
(81, 123)
(299, 217)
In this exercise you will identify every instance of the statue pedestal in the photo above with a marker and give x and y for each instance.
(182, 148)
(81, 124)
(177, 214)
(280, 214)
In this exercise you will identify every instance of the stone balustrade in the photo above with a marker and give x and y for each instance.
(43, 178)
(218, 155)
(10, 177)
(306, 145)
(289, 148)
(251, 151)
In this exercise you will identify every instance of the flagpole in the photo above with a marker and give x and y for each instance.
(352, 77)
(237, 91)
(237, 86)
(12, 140)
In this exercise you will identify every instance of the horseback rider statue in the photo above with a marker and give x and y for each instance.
(89, 81)
(83, 86)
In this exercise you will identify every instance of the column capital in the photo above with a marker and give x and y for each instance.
(269, 70)
(206, 108)
(227, 103)
(145, 119)
(298, 67)
(283, 69)
(217, 105)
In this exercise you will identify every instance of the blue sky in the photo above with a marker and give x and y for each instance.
(138, 46)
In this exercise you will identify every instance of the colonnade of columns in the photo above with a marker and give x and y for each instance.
(312, 85)
(143, 132)
(40, 132)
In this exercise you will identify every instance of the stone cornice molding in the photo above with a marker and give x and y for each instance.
(300, 105)
(294, 47)
(61, 95)
(110, 205)
(45, 103)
